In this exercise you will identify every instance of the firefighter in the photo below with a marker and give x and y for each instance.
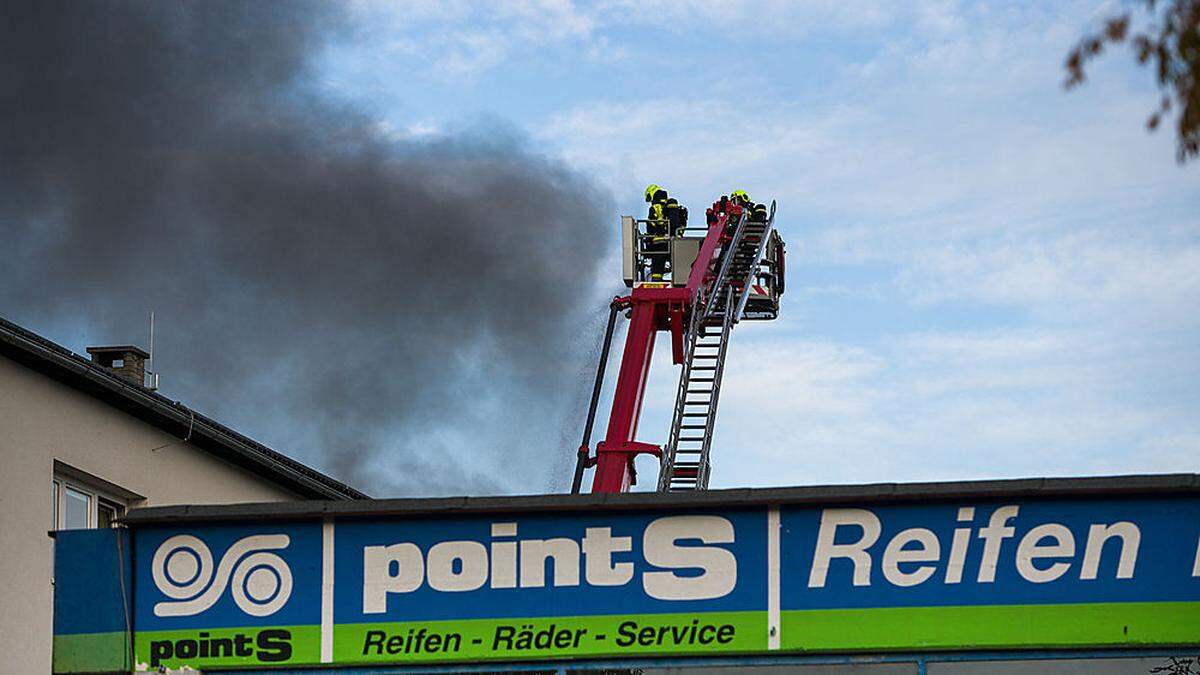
(757, 213)
(740, 198)
(656, 197)
(657, 226)
(677, 215)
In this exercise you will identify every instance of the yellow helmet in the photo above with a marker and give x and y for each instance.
(739, 195)
(650, 190)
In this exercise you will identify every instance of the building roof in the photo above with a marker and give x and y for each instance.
(61, 364)
(824, 495)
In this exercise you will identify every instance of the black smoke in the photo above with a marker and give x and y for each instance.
(410, 316)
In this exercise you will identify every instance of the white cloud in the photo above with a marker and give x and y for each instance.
(1084, 271)
(942, 405)
(466, 39)
(459, 39)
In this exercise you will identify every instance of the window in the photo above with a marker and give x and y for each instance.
(107, 512)
(77, 509)
(78, 505)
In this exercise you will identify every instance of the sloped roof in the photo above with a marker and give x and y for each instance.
(61, 364)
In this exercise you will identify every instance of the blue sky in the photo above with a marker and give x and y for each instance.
(989, 276)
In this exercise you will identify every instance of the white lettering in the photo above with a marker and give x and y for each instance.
(564, 553)
(895, 553)
(993, 535)
(598, 547)
(504, 556)
(378, 579)
(472, 563)
(958, 546)
(1131, 539)
(826, 550)
(719, 566)
(1030, 549)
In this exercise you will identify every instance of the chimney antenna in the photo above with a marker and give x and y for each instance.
(153, 372)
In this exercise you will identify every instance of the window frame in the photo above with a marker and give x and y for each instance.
(97, 499)
(67, 493)
(116, 507)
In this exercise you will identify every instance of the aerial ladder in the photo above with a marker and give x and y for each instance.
(733, 271)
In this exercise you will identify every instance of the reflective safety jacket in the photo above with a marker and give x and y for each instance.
(657, 216)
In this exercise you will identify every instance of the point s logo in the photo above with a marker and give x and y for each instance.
(468, 565)
(260, 582)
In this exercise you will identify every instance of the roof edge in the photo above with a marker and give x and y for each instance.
(874, 493)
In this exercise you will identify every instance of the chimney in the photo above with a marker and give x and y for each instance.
(125, 360)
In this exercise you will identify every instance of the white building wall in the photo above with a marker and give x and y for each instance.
(42, 420)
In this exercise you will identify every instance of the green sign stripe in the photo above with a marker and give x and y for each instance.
(247, 646)
(91, 652)
(519, 639)
(1000, 626)
(550, 637)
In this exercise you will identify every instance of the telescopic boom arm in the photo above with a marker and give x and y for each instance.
(720, 283)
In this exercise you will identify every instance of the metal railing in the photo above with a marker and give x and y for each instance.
(640, 272)
(708, 294)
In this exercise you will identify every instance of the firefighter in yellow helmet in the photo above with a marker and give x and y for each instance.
(755, 212)
(657, 227)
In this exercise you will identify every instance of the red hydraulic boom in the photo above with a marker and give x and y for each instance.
(736, 273)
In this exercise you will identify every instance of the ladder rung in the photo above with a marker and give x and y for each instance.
(693, 426)
(698, 439)
(704, 367)
(695, 414)
(701, 379)
(699, 391)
